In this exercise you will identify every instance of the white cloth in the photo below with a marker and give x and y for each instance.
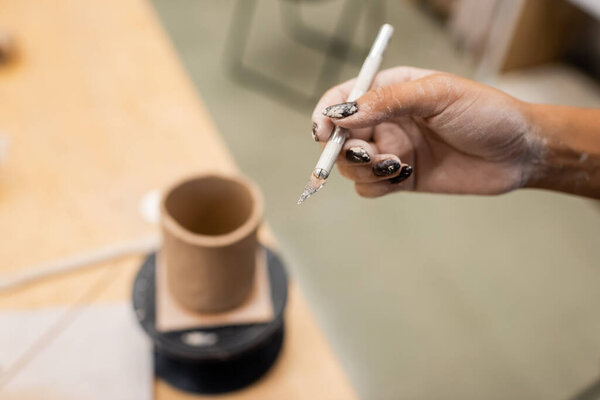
(102, 354)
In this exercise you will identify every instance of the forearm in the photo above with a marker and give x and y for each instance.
(567, 141)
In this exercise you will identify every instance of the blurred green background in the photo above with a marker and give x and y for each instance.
(421, 296)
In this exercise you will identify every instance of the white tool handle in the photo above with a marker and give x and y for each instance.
(361, 86)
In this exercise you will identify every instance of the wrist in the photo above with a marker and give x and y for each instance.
(565, 147)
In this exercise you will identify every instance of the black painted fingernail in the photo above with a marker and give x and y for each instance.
(314, 132)
(357, 155)
(386, 167)
(341, 110)
(404, 174)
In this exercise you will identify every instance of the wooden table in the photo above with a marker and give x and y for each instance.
(99, 111)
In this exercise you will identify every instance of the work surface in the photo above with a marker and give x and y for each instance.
(98, 112)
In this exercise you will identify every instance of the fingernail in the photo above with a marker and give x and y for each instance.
(314, 132)
(386, 167)
(341, 110)
(405, 173)
(357, 155)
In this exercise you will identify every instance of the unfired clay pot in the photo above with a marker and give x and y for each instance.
(209, 226)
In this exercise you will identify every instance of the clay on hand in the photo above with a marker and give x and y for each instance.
(453, 134)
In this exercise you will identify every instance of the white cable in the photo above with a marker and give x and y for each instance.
(80, 261)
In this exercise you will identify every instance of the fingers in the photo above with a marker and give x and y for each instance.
(381, 188)
(357, 152)
(382, 168)
(397, 92)
(322, 125)
(424, 97)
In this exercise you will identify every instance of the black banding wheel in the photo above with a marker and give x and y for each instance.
(218, 359)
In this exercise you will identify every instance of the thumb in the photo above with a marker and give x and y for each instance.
(425, 97)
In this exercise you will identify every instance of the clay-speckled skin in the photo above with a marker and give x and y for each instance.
(386, 167)
(404, 174)
(357, 155)
(459, 136)
(314, 132)
(342, 110)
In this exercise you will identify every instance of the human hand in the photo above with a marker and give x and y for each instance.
(459, 136)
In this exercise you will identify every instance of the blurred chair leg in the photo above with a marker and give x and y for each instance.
(235, 48)
(317, 40)
(337, 48)
(338, 44)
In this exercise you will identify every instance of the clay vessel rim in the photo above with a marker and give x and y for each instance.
(250, 225)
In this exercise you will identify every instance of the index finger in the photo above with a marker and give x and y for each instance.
(339, 94)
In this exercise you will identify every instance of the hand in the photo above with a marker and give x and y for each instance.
(459, 136)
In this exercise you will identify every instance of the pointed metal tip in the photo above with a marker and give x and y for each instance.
(305, 195)
(313, 186)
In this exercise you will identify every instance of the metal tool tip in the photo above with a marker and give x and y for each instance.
(313, 186)
(303, 197)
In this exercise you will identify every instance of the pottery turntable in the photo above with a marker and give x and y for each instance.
(212, 299)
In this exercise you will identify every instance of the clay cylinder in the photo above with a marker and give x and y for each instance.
(209, 227)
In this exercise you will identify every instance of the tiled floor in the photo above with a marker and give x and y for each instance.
(421, 296)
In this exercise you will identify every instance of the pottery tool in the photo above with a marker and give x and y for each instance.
(338, 137)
